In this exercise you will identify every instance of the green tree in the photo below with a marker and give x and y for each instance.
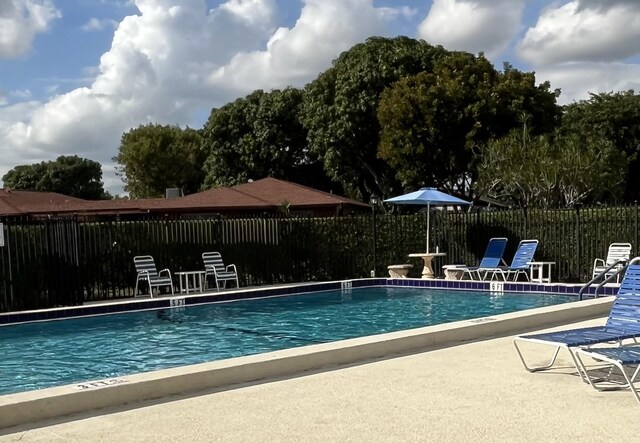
(591, 169)
(555, 170)
(430, 122)
(340, 109)
(516, 94)
(68, 175)
(518, 169)
(152, 158)
(616, 117)
(258, 136)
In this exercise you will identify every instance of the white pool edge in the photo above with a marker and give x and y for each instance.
(33, 406)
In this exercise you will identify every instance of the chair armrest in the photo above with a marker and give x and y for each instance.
(232, 267)
(596, 261)
(143, 273)
(165, 270)
(212, 269)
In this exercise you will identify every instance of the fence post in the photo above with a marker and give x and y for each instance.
(635, 202)
(373, 201)
(577, 206)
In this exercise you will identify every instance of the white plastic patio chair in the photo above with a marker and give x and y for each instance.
(618, 252)
(213, 265)
(147, 272)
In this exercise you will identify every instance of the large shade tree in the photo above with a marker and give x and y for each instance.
(152, 158)
(69, 175)
(431, 122)
(257, 136)
(340, 109)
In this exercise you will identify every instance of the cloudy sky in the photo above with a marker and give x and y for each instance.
(76, 74)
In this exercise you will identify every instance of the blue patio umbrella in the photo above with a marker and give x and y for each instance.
(429, 197)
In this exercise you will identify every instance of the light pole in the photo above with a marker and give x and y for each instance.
(373, 201)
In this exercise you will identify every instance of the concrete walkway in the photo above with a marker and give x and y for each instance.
(473, 392)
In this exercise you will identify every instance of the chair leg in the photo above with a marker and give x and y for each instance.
(551, 362)
(630, 381)
(150, 290)
(536, 368)
(135, 293)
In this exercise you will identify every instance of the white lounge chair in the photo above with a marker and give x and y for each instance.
(617, 255)
(213, 265)
(147, 272)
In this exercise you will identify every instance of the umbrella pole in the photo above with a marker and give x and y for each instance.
(428, 213)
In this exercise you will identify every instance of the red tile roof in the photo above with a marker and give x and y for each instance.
(276, 192)
(223, 198)
(263, 195)
(14, 202)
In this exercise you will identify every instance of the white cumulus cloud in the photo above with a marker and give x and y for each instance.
(176, 58)
(578, 79)
(154, 72)
(400, 12)
(96, 24)
(472, 25)
(20, 21)
(294, 56)
(584, 30)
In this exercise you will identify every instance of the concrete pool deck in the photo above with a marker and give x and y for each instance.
(476, 391)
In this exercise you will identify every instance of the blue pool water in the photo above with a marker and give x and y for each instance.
(39, 355)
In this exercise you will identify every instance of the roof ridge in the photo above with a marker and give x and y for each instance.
(340, 198)
(250, 195)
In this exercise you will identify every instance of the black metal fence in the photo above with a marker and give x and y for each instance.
(66, 261)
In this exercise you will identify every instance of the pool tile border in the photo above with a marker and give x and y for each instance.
(181, 300)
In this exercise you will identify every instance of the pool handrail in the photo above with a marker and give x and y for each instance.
(621, 266)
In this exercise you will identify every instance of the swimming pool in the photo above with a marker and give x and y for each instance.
(45, 354)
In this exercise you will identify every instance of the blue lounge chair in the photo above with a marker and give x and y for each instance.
(491, 260)
(623, 323)
(520, 264)
(618, 357)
